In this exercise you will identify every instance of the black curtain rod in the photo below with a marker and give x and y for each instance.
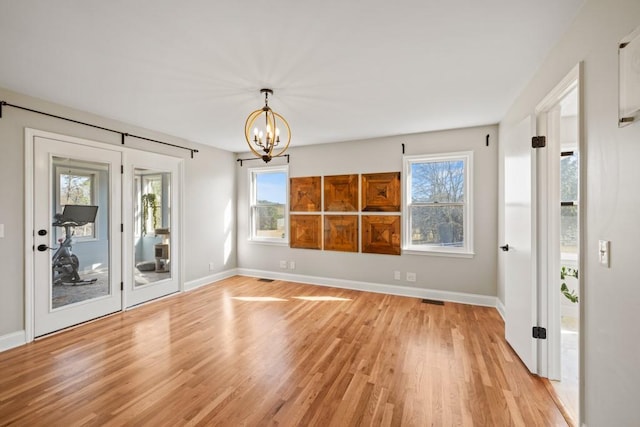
(260, 158)
(122, 134)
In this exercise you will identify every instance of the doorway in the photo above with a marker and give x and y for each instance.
(104, 230)
(559, 179)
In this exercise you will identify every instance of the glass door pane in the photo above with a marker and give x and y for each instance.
(80, 231)
(152, 226)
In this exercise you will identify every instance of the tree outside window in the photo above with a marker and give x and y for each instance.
(78, 189)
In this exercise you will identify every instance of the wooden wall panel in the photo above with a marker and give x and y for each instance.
(305, 194)
(341, 233)
(381, 234)
(381, 192)
(341, 193)
(306, 231)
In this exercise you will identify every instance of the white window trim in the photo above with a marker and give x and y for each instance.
(467, 251)
(252, 197)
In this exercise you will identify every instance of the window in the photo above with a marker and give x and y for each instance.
(77, 187)
(569, 203)
(152, 203)
(437, 210)
(268, 218)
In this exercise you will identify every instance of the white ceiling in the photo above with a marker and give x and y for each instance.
(341, 69)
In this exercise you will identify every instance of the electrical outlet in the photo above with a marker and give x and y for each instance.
(292, 265)
(283, 264)
(396, 275)
(411, 277)
(211, 266)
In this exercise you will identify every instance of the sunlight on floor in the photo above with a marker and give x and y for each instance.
(264, 299)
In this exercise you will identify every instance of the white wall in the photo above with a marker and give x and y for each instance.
(474, 276)
(209, 196)
(610, 296)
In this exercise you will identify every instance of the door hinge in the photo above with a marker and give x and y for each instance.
(122, 228)
(122, 286)
(538, 141)
(539, 333)
(121, 169)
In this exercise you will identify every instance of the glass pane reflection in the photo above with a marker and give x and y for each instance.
(80, 231)
(152, 234)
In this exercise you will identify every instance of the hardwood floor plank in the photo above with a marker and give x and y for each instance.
(244, 352)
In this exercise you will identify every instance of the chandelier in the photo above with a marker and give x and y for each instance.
(265, 129)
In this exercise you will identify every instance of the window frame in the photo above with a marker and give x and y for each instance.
(93, 178)
(467, 249)
(253, 237)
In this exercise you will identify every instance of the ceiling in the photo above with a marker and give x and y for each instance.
(340, 69)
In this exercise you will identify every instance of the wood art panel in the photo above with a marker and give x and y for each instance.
(381, 192)
(381, 234)
(341, 233)
(341, 193)
(305, 194)
(306, 231)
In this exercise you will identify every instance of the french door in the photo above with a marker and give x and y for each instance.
(152, 233)
(77, 238)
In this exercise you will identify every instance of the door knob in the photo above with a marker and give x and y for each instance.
(42, 232)
(43, 247)
(505, 248)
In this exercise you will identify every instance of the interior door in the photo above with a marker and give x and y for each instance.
(520, 232)
(77, 263)
(152, 234)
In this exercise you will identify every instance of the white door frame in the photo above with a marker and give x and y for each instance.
(548, 217)
(29, 241)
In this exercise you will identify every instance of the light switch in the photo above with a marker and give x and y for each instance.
(1, 231)
(603, 252)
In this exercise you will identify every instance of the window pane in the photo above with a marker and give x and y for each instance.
(569, 229)
(437, 225)
(77, 189)
(152, 203)
(271, 188)
(270, 195)
(437, 182)
(269, 221)
(569, 178)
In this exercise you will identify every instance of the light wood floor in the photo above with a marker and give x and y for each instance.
(245, 352)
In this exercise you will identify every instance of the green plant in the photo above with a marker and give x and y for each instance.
(149, 202)
(564, 273)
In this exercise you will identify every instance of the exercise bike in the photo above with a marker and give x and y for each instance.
(65, 263)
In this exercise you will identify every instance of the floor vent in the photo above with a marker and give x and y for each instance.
(432, 301)
(265, 280)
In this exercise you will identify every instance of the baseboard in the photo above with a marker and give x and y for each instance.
(12, 340)
(459, 297)
(501, 309)
(194, 284)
